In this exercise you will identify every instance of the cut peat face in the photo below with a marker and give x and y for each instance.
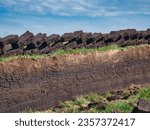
(42, 83)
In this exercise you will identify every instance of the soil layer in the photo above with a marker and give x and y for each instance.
(42, 83)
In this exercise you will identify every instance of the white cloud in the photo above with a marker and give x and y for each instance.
(18, 24)
(90, 8)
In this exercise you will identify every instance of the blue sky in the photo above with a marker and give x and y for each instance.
(60, 16)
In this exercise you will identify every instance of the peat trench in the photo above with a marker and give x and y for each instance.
(42, 83)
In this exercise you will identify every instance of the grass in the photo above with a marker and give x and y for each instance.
(90, 103)
(118, 106)
(34, 56)
(93, 97)
(144, 93)
(85, 50)
(100, 49)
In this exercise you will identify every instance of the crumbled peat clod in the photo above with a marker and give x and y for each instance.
(100, 104)
(124, 95)
(143, 106)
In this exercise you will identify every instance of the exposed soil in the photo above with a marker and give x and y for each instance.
(42, 83)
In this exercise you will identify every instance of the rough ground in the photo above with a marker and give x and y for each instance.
(41, 83)
(134, 99)
(28, 43)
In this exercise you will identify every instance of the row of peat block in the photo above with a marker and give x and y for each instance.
(28, 43)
